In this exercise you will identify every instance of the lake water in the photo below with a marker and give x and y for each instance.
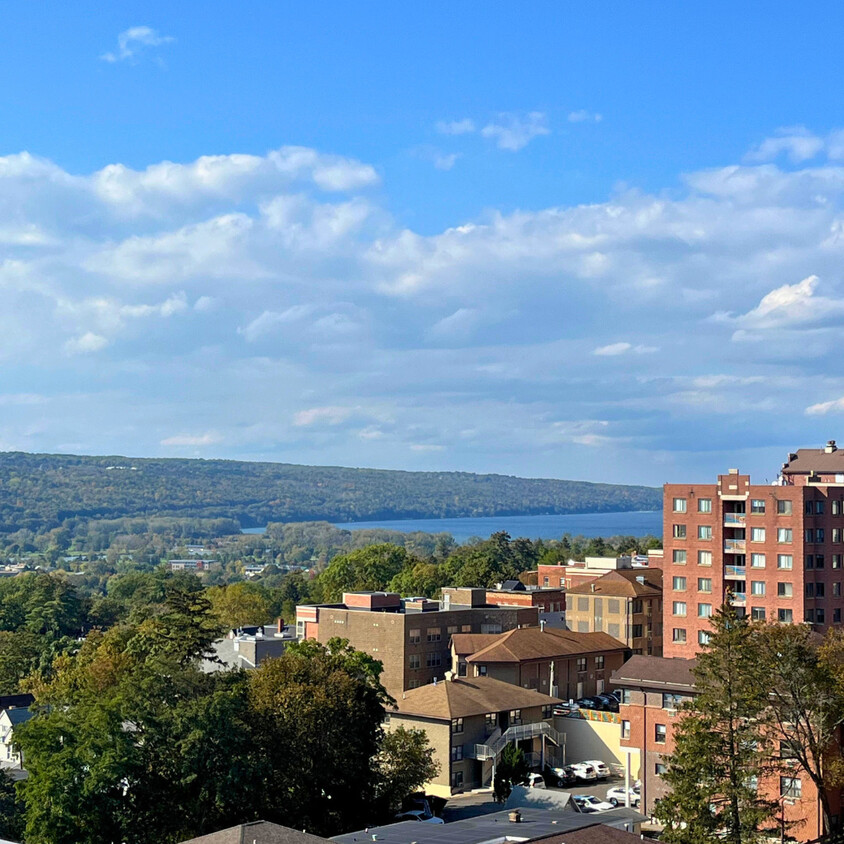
(637, 523)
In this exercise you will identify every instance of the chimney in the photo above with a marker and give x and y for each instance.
(515, 816)
(830, 447)
(592, 586)
(542, 625)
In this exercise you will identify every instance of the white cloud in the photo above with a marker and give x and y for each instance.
(85, 343)
(514, 132)
(430, 447)
(456, 127)
(206, 439)
(322, 416)
(796, 142)
(826, 407)
(445, 161)
(623, 347)
(584, 116)
(135, 40)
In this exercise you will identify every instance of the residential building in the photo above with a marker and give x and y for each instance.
(469, 721)
(194, 565)
(248, 647)
(513, 593)
(652, 691)
(9, 719)
(556, 662)
(776, 552)
(626, 604)
(410, 636)
(576, 573)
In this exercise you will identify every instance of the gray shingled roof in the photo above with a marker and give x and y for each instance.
(261, 832)
(656, 672)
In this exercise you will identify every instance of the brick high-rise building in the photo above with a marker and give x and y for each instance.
(774, 550)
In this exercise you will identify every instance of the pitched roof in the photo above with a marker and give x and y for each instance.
(815, 460)
(528, 643)
(657, 672)
(17, 716)
(595, 834)
(260, 832)
(465, 696)
(624, 583)
(468, 643)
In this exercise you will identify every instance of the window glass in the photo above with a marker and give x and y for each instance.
(757, 613)
(757, 587)
(678, 583)
(757, 561)
(784, 590)
(704, 505)
(784, 535)
(704, 584)
(757, 505)
(679, 531)
(679, 556)
(757, 534)
(704, 531)
(704, 558)
(785, 616)
(679, 505)
(679, 608)
(785, 561)
(704, 610)
(703, 637)
(783, 508)
(678, 634)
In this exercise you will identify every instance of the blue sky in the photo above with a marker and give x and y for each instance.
(555, 240)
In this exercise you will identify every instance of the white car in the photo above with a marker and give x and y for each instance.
(535, 781)
(418, 815)
(584, 771)
(587, 803)
(600, 767)
(618, 797)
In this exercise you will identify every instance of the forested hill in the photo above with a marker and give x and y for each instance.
(40, 491)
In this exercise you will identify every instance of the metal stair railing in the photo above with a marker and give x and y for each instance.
(493, 746)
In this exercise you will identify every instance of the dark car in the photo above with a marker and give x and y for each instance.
(590, 703)
(609, 702)
(558, 777)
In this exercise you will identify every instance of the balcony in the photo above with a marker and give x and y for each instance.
(734, 546)
(735, 572)
(738, 599)
(497, 742)
(735, 519)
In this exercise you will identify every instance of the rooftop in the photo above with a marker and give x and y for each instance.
(656, 672)
(537, 823)
(598, 833)
(465, 696)
(528, 643)
(632, 583)
(257, 832)
(806, 460)
(469, 643)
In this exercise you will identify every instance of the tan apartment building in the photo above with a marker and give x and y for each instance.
(626, 604)
(469, 721)
(560, 663)
(410, 637)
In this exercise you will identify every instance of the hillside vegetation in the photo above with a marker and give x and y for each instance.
(41, 491)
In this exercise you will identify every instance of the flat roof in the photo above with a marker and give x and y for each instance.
(536, 823)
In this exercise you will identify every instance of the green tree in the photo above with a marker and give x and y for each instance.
(512, 768)
(368, 569)
(721, 744)
(20, 654)
(239, 604)
(405, 763)
(12, 821)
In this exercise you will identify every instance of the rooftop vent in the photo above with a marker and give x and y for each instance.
(830, 447)
(792, 456)
(640, 578)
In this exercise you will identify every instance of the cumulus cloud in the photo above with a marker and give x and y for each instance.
(134, 41)
(85, 343)
(584, 116)
(622, 348)
(513, 132)
(456, 127)
(795, 142)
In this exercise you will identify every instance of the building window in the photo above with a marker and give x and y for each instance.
(757, 561)
(757, 587)
(491, 627)
(678, 584)
(599, 662)
(819, 561)
(704, 558)
(704, 505)
(670, 701)
(784, 590)
(546, 581)
(835, 504)
(808, 508)
(491, 720)
(820, 616)
(433, 660)
(809, 535)
(659, 768)
(481, 670)
(679, 505)
(679, 608)
(626, 696)
(703, 637)
(836, 589)
(757, 505)
(810, 590)
(784, 535)
(613, 606)
(791, 787)
(581, 663)
(679, 557)
(836, 615)
(456, 725)
(457, 779)
(515, 716)
(757, 534)
(625, 729)
(704, 584)
(704, 531)
(452, 630)
(819, 508)
(636, 631)
(415, 636)
(434, 634)
(679, 531)
(636, 606)
(810, 561)
(785, 616)
(783, 508)
(757, 613)
(414, 661)
(547, 712)
(678, 634)
(457, 753)
(836, 561)
(820, 590)
(785, 561)
(836, 535)
(704, 610)
(659, 733)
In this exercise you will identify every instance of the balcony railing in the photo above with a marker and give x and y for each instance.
(735, 572)
(735, 519)
(738, 599)
(494, 746)
(734, 546)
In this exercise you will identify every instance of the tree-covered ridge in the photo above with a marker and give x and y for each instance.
(42, 491)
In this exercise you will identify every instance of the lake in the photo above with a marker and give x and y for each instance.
(636, 523)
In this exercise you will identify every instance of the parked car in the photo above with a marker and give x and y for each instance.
(535, 781)
(609, 702)
(589, 703)
(584, 771)
(559, 777)
(418, 815)
(616, 694)
(601, 768)
(618, 796)
(587, 803)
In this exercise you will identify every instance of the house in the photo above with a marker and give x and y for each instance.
(410, 636)
(627, 604)
(257, 832)
(469, 721)
(557, 662)
(10, 718)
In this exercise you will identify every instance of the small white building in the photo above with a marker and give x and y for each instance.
(9, 719)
